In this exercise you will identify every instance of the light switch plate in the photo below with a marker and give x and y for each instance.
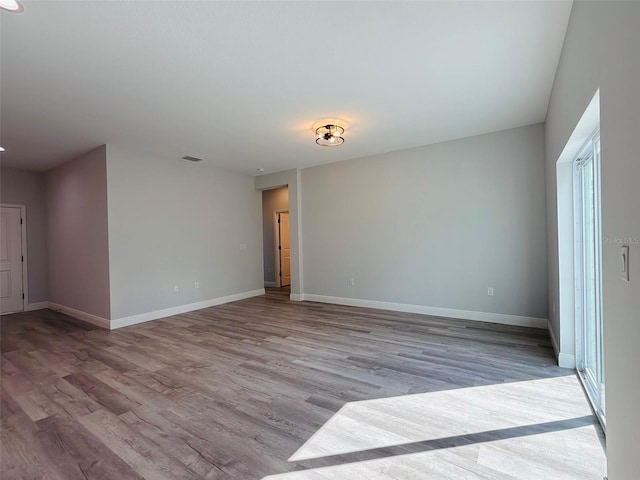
(624, 256)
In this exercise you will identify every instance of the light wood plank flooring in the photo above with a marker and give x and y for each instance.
(291, 391)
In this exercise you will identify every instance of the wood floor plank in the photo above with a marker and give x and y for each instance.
(81, 453)
(101, 393)
(266, 388)
(21, 459)
(30, 398)
(140, 453)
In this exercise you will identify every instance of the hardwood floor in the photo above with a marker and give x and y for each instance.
(289, 390)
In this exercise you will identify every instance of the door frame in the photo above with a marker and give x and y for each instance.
(593, 386)
(276, 244)
(292, 179)
(23, 246)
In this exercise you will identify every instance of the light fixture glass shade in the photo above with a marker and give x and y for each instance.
(11, 6)
(329, 135)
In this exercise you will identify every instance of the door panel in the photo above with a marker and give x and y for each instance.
(589, 271)
(285, 252)
(589, 334)
(10, 260)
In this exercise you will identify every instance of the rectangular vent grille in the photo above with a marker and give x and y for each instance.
(191, 159)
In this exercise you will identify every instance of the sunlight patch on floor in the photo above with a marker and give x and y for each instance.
(406, 419)
(553, 455)
(570, 451)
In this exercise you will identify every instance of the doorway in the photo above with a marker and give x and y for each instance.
(12, 259)
(588, 301)
(276, 237)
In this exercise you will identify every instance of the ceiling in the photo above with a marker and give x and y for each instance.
(240, 84)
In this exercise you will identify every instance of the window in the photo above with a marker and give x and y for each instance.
(589, 331)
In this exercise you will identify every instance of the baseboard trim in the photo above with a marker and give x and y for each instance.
(269, 284)
(501, 318)
(80, 315)
(167, 312)
(297, 297)
(554, 340)
(37, 306)
(565, 360)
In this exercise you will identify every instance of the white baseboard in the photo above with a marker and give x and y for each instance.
(565, 360)
(80, 315)
(269, 284)
(37, 306)
(295, 297)
(554, 340)
(167, 312)
(434, 311)
(145, 317)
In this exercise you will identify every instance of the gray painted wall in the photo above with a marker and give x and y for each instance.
(272, 200)
(28, 188)
(77, 234)
(601, 51)
(433, 226)
(172, 222)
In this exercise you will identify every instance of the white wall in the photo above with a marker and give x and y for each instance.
(77, 236)
(28, 188)
(172, 222)
(272, 200)
(433, 226)
(601, 52)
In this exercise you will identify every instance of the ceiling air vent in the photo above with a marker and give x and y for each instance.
(191, 159)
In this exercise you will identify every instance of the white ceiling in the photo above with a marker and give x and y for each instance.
(240, 84)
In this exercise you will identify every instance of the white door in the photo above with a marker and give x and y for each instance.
(10, 260)
(285, 250)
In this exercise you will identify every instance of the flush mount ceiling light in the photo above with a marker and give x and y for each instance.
(329, 135)
(11, 6)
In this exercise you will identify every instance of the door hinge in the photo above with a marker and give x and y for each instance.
(22, 258)
(23, 296)
(280, 274)
(278, 220)
(20, 221)
(279, 247)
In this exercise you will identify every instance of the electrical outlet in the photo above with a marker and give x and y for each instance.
(176, 288)
(490, 291)
(197, 284)
(352, 282)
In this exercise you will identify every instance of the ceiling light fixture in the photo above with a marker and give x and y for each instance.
(11, 6)
(329, 135)
(1, 149)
